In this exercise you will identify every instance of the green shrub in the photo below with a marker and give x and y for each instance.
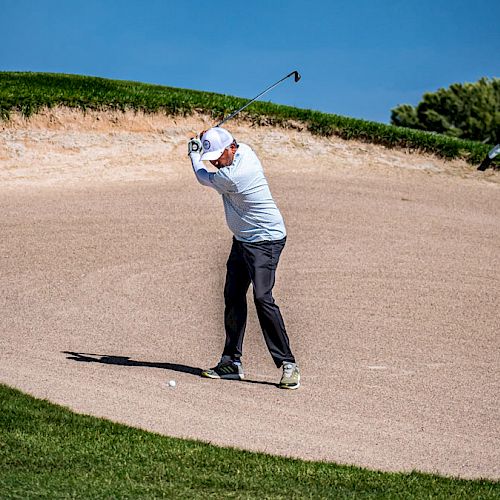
(468, 111)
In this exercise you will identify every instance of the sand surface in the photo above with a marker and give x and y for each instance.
(112, 261)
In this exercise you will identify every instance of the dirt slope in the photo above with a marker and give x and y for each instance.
(112, 267)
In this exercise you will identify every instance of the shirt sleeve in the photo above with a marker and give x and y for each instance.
(202, 174)
(222, 182)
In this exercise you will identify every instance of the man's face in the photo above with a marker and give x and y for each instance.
(226, 158)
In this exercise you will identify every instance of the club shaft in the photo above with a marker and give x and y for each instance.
(232, 115)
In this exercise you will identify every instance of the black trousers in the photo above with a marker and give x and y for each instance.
(254, 263)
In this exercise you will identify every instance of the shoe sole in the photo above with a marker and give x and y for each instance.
(230, 376)
(290, 387)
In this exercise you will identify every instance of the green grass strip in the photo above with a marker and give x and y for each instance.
(27, 93)
(47, 451)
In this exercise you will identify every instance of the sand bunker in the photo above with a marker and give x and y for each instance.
(112, 267)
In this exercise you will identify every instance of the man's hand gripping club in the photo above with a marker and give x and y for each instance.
(195, 146)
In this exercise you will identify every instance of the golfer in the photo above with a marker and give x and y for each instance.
(259, 237)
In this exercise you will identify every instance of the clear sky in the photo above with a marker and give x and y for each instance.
(357, 58)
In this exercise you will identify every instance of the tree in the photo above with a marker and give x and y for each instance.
(467, 111)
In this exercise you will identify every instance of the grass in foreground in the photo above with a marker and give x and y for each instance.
(47, 451)
(27, 93)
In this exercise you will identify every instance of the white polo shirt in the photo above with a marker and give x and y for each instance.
(251, 213)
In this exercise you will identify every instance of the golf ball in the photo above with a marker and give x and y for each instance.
(172, 383)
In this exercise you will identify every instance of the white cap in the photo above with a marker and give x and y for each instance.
(215, 141)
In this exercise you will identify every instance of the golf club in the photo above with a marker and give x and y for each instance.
(486, 163)
(296, 78)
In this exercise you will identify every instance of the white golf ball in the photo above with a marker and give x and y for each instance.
(172, 383)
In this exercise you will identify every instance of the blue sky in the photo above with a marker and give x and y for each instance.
(358, 58)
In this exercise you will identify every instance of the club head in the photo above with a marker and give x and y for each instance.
(295, 74)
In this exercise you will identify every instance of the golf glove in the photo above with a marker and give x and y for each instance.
(195, 146)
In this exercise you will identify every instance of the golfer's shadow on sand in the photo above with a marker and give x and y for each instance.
(126, 361)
